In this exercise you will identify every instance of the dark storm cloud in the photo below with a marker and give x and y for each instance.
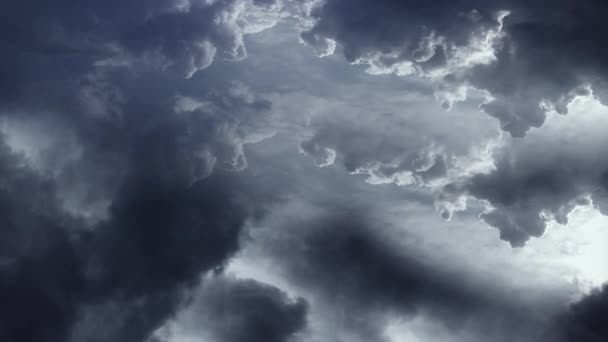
(402, 141)
(155, 147)
(160, 239)
(234, 310)
(544, 176)
(542, 51)
(130, 271)
(539, 57)
(41, 274)
(354, 268)
(586, 319)
(165, 228)
(521, 191)
(107, 70)
(111, 74)
(182, 36)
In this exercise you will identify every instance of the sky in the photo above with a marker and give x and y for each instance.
(303, 171)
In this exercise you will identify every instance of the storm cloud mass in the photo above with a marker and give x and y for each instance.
(303, 170)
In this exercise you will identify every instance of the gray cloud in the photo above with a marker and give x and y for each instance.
(184, 36)
(123, 172)
(584, 322)
(132, 270)
(234, 310)
(533, 55)
(96, 113)
(389, 147)
(361, 278)
(544, 176)
(39, 265)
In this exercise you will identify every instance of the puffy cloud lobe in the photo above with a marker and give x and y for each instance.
(219, 125)
(528, 63)
(532, 56)
(188, 40)
(544, 176)
(401, 143)
(234, 310)
(382, 158)
(66, 70)
(520, 198)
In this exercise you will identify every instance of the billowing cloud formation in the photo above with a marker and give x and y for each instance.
(234, 310)
(522, 53)
(381, 156)
(361, 278)
(531, 184)
(388, 147)
(112, 211)
(130, 271)
(126, 190)
(106, 74)
(544, 176)
(184, 36)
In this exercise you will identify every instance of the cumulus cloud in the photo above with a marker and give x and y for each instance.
(503, 49)
(523, 54)
(107, 159)
(234, 310)
(544, 176)
(130, 271)
(401, 142)
(359, 276)
(126, 184)
(80, 85)
(184, 36)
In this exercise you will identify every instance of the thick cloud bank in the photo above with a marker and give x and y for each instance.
(129, 272)
(527, 55)
(111, 214)
(544, 176)
(362, 280)
(586, 319)
(233, 310)
(142, 151)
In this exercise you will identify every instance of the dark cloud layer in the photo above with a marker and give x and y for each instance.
(521, 193)
(40, 270)
(586, 320)
(160, 237)
(542, 51)
(535, 58)
(234, 310)
(244, 310)
(544, 176)
(353, 265)
(146, 140)
(122, 185)
(74, 34)
(168, 223)
(378, 151)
